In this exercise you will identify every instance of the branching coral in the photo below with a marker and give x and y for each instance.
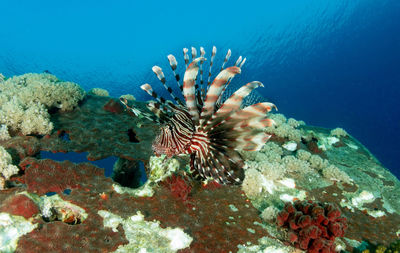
(312, 226)
(25, 99)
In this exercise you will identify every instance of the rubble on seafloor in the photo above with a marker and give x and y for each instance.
(54, 206)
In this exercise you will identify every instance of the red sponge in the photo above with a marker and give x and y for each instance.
(312, 226)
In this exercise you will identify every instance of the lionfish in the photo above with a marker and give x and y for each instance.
(211, 131)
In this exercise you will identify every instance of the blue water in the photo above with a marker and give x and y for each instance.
(330, 63)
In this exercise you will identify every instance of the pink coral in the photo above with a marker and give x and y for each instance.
(312, 226)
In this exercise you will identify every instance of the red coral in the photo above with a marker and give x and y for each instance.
(312, 226)
(19, 205)
(42, 176)
(179, 187)
(113, 106)
(212, 185)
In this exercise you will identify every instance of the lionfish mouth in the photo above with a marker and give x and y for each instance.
(208, 129)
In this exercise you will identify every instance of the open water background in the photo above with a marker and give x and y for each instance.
(330, 63)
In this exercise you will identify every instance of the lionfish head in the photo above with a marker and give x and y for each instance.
(210, 130)
(175, 134)
(161, 148)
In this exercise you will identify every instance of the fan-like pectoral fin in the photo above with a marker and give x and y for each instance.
(215, 91)
(189, 90)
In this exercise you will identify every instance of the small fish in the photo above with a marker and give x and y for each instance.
(211, 131)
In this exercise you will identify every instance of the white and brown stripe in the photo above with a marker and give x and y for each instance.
(160, 75)
(189, 91)
(213, 53)
(209, 133)
(173, 63)
(186, 57)
(215, 90)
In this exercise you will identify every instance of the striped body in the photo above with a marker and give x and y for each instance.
(211, 131)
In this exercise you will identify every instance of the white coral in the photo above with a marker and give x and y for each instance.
(293, 164)
(339, 132)
(334, 173)
(272, 171)
(285, 128)
(295, 123)
(146, 236)
(303, 155)
(252, 183)
(99, 92)
(36, 120)
(317, 162)
(4, 135)
(128, 97)
(24, 101)
(269, 213)
(7, 169)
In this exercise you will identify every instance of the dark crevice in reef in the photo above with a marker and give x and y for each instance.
(64, 136)
(132, 136)
(54, 109)
(129, 173)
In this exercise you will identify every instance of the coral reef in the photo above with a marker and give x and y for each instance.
(312, 226)
(72, 207)
(92, 192)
